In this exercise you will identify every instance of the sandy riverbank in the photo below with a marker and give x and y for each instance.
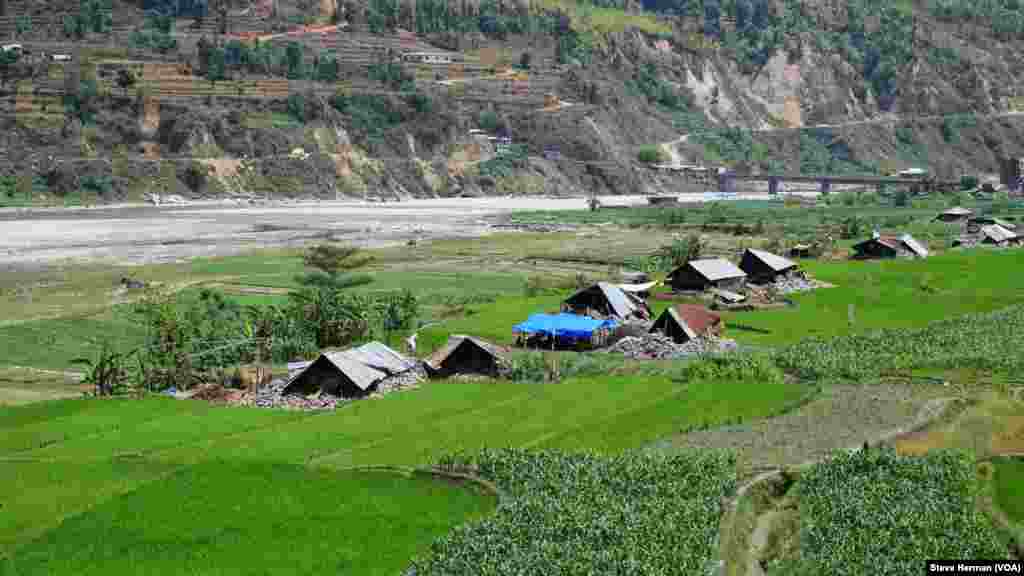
(133, 234)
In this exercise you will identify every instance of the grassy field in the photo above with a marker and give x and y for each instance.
(26, 385)
(1009, 480)
(129, 449)
(888, 294)
(267, 518)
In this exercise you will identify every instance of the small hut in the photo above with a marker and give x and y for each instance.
(563, 330)
(764, 267)
(889, 247)
(685, 322)
(975, 224)
(337, 374)
(606, 301)
(466, 355)
(707, 273)
(996, 235)
(956, 214)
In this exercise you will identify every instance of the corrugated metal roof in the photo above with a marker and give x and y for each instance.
(777, 263)
(697, 318)
(997, 233)
(958, 211)
(621, 305)
(683, 324)
(913, 245)
(716, 269)
(727, 295)
(992, 220)
(360, 375)
(454, 341)
(380, 357)
(617, 298)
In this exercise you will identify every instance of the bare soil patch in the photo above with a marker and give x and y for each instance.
(841, 417)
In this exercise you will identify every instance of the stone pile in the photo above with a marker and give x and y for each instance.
(660, 347)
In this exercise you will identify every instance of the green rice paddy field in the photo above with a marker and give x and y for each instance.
(95, 486)
(1010, 487)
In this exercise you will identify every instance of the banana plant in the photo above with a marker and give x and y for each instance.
(108, 372)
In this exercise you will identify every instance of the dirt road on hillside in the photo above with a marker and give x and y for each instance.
(153, 234)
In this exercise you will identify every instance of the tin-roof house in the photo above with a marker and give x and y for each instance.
(762, 267)
(607, 301)
(955, 214)
(890, 247)
(685, 322)
(466, 355)
(705, 274)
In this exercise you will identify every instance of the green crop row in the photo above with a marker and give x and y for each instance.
(875, 512)
(584, 514)
(989, 341)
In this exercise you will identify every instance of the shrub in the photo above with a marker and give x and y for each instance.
(297, 106)
(968, 182)
(488, 121)
(650, 154)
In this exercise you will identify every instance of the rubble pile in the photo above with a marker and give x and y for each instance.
(270, 396)
(660, 347)
(796, 283)
(404, 381)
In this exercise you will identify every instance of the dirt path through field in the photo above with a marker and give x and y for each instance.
(843, 418)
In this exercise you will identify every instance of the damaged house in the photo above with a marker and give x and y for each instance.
(956, 214)
(351, 373)
(604, 300)
(879, 246)
(764, 267)
(466, 355)
(706, 274)
(685, 322)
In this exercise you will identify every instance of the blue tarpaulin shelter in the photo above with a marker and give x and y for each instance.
(567, 326)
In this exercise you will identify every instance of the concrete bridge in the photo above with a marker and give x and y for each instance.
(727, 181)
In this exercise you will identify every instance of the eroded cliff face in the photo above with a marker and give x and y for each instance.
(806, 82)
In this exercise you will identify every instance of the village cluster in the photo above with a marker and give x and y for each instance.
(609, 317)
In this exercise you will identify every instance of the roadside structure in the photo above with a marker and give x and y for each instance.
(764, 267)
(604, 300)
(685, 322)
(889, 247)
(466, 355)
(708, 273)
(955, 214)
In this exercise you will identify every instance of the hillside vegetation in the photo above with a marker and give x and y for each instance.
(723, 72)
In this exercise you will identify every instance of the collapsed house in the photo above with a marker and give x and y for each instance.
(466, 355)
(956, 214)
(764, 267)
(563, 330)
(351, 373)
(604, 300)
(686, 322)
(705, 274)
(878, 246)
